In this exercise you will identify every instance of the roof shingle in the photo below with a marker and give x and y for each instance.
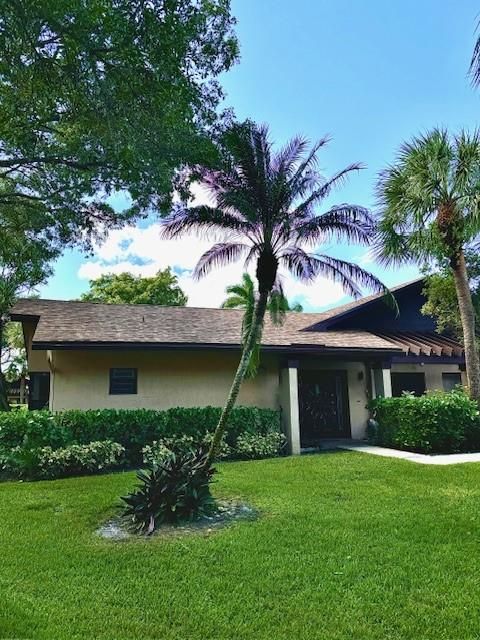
(69, 322)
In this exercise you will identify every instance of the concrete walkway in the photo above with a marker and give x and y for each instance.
(419, 458)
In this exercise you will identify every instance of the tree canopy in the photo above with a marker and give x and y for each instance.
(13, 352)
(107, 95)
(441, 298)
(99, 97)
(26, 251)
(125, 288)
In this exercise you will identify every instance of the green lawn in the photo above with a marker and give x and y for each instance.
(348, 546)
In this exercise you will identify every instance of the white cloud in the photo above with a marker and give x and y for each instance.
(141, 251)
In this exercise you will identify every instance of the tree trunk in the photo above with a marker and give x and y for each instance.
(467, 316)
(248, 349)
(4, 406)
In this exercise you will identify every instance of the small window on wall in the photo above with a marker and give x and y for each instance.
(451, 380)
(410, 382)
(39, 390)
(123, 381)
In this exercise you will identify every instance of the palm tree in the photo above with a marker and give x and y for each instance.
(265, 205)
(243, 296)
(475, 63)
(430, 205)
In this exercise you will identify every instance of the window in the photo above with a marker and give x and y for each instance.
(412, 382)
(123, 381)
(451, 380)
(39, 390)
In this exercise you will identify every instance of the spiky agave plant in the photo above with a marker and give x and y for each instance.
(176, 490)
(267, 206)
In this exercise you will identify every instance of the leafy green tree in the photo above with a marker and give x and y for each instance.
(243, 296)
(266, 204)
(430, 201)
(98, 97)
(26, 252)
(13, 352)
(441, 297)
(126, 288)
(107, 95)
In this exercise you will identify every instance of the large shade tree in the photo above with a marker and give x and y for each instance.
(243, 296)
(126, 288)
(266, 205)
(26, 252)
(429, 202)
(107, 95)
(99, 97)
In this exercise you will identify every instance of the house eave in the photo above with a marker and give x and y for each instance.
(293, 349)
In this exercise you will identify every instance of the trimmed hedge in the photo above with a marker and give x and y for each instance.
(74, 460)
(132, 429)
(434, 423)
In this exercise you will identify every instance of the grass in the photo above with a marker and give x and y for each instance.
(349, 546)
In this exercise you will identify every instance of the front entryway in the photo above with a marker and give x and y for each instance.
(323, 406)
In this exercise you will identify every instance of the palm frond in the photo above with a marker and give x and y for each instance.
(309, 163)
(287, 159)
(233, 301)
(350, 276)
(220, 254)
(345, 221)
(301, 264)
(202, 218)
(278, 304)
(305, 208)
(474, 69)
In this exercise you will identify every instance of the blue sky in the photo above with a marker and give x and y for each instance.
(369, 73)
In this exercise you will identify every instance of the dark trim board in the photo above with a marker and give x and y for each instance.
(428, 360)
(360, 353)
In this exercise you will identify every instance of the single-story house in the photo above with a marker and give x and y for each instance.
(320, 369)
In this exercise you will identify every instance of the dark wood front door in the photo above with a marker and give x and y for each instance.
(323, 406)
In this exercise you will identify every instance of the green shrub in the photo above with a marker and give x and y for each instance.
(434, 423)
(159, 450)
(255, 446)
(33, 428)
(174, 491)
(132, 429)
(74, 459)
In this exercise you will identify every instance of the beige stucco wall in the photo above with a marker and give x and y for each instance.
(165, 379)
(37, 360)
(433, 373)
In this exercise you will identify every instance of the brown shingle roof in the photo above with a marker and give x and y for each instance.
(69, 322)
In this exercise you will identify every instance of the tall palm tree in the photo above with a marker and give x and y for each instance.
(266, 205)
(243, 296)
(430, 206)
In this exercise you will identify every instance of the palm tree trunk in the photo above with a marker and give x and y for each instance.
(248, 349)
(467, 316)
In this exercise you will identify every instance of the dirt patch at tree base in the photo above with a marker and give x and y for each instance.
(227, 512)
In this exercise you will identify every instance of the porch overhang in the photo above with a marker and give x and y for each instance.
(414, 343)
